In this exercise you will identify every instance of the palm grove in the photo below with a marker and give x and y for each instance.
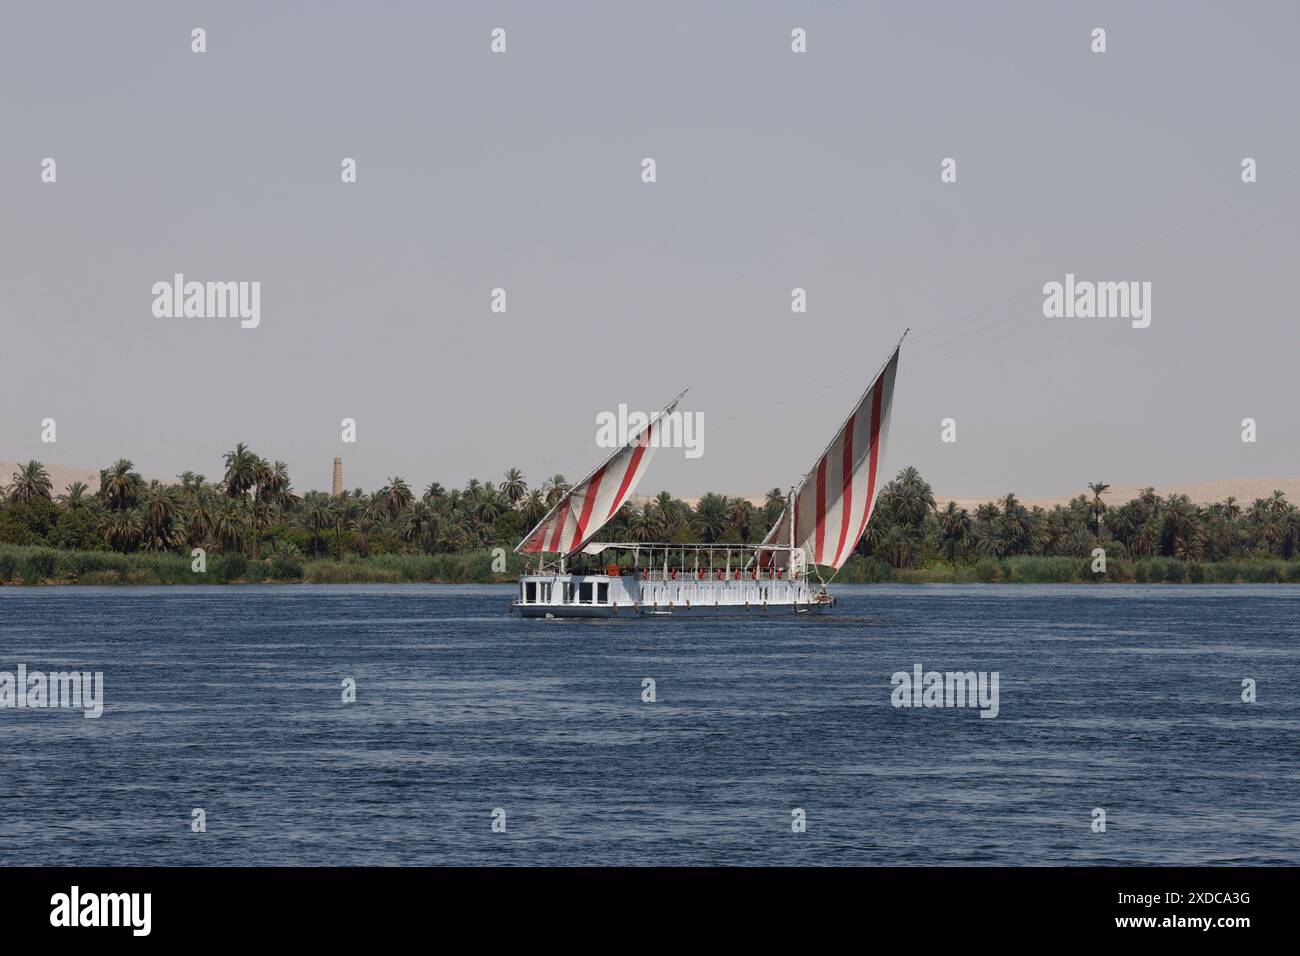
(253, 521)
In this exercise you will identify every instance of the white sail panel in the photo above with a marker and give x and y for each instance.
(584, 510)
(833, 503)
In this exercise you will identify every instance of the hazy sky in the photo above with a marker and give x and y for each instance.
(775, 170)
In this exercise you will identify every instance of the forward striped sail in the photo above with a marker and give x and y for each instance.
(833, 502)
(588, 505)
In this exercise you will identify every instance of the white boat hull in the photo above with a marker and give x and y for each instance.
(629, 595)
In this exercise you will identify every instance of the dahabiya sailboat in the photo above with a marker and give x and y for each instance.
(823, 520)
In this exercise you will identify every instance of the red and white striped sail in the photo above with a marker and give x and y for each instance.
(833, 503)
(590, 503)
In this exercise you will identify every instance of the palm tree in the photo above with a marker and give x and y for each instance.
(344, 510)
(123, 529)
(243, 470)
(435, 492)
(416, 521)
(1277, 504)
(711, 517)
(440, 519)
(1058, 533)
(74, 496)
(1098, 488)
(198, 513)
(742, 510)
(1260, 520)
(276, 487)
(554, 488)
(773, 505)
(914, 498)
(985, 530)
(397, 496)
(643, 524)
(30, 481)
(900, 542)
(161, 509)
(1290, 532)
(228, 525)
(534, 508)
(1149, 501)
(1182, 535)
(491, 505)
(247, 472)
(616, 528)
(1016, 531)
(316, 515)
(954, 523)
(259, 518)
(670, 509)
(119, 485)
(1146, 542)
(514, 486)
(373, 508)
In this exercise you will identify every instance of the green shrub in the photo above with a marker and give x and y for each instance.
(1045, 570)
(287, 565)
(37, 566)
(227, 567)
(101, 577)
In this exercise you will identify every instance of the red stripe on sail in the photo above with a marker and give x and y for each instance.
(875, 452)
(846, 502)
(588, 501)
(536, 541)
(628, 475)
(559, 524)
(821, 509)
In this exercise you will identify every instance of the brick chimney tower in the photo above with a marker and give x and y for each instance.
(338, 476)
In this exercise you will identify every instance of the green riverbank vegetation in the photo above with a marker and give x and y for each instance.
(253, 527)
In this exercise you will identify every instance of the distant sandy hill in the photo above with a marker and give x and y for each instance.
(1245, 490)
(60, 476)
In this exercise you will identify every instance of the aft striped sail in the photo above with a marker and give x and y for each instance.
(833, 502)
(584, 510)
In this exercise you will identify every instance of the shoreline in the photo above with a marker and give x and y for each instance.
(36, 566)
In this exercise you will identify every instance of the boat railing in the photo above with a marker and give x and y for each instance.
(661, 562)
(686, 575)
